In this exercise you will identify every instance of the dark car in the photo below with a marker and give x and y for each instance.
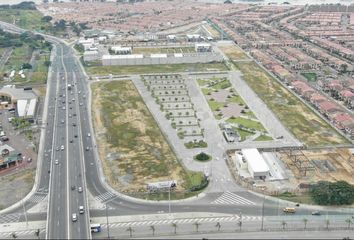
(72, 187)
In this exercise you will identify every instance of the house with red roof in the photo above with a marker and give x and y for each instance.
(328, 107)
(317, 98)
(303, 89)
(348, 97)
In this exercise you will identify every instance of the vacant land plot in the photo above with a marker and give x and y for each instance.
(233, 52)
(15, 186)
(296, 116)
(131, 146)
(164, 68)
(140, 50)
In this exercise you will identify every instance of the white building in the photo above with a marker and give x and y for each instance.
(91, 56)
(202, 47)
(256, 164)
(193, 37)
(121, 50)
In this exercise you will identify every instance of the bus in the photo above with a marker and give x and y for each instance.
(95, 227)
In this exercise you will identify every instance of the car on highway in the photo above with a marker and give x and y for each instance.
(81, 209)
(81, 104)
(71, 140)
(56, 161)
(62, 147)
(64, 108)
(70, 115)
(73, 187)
(57, 148)
(316, 213)
(74, 124)
(74, 114)
(89, 134)
(62, 121)
(79, 189)
(87, 148)
(74, 217)
(75, 136)
(289, 210)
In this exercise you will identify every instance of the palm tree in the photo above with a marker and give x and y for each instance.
(305, 220)
(152, 228)
(13, 235)
(196, 224)
(218, 225)
(349, 221)
(327, 224)
(283, 223)
(130, 229)
(37, 232)
(174, 225)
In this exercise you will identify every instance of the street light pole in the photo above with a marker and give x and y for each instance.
(169, 200)
(107, 223)
(263, 212)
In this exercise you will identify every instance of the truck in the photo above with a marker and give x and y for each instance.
(69, 86)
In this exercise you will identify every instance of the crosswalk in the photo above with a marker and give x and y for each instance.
(36, 198)
(104, 197)
(31, 233)
(8, 218)
(229, 198)
(184, 221)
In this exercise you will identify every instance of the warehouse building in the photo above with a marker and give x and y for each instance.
(256, 165)
(22, 99)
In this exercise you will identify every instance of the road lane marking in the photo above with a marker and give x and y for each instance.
(229, 198)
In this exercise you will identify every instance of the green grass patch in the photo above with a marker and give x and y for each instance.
(247, 123)
(304, 198)
(310, 76)
(198, 144)
(28, 19)
(263, 138)
(297, 117)
(163, 68)
(214, 105)
(243, 134)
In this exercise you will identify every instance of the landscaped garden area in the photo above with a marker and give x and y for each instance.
(231, 110)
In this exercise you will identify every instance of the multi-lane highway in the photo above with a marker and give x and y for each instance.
(67, 191)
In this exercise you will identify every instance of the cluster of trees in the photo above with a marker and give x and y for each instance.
(332, 193)
(23, 5)
(14, 40)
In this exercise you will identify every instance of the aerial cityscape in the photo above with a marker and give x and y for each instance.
(177, 119)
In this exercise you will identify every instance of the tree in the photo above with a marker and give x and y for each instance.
(152, 228)
(130, 230)
(47, 18)
(283, 223)
(349, 221)
(202, 156)
(332, 193)
(174, 225)
(305, 220)
(196, 224)
(218, 225)
(13, 235)
(26, 66)
(343, 68)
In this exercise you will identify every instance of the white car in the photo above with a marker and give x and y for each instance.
(79, 189)
(81, 209)
(74, 217)
(62, 147)
(56, 161)
(89, 134)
